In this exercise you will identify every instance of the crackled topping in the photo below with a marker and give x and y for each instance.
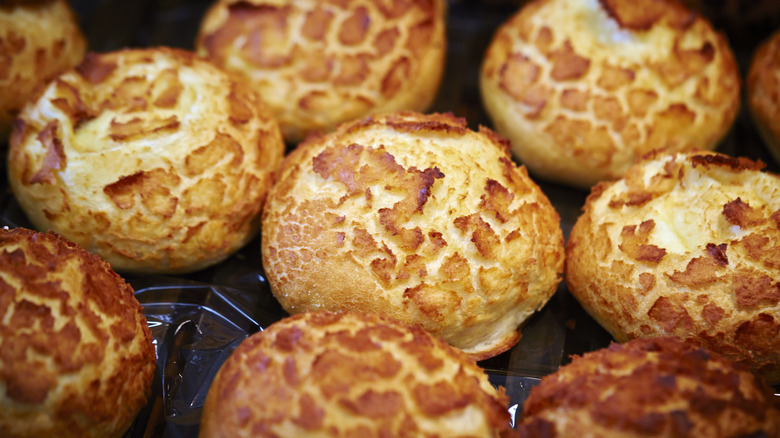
(651, 387)
(67, 319)
(423, 209)
(151, 137)
(344, 373)
(358, 55)
(699, 231)
(38, 40)
(623, 79)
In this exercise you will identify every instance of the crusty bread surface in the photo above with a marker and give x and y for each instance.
(318, 64)
(326, 374)
(763, 92)
(685, 245)
(651, 387)
(585, 88)
(76, 354)
(418, 217)
(154, 159)
(38, 40)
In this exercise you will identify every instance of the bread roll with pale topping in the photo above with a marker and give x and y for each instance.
(318, 64)
(326, 374)
(763, 92)
(685, 245)
(38, 40)
(154, 159)
(585, 88)
(418, 217)
(76, 354)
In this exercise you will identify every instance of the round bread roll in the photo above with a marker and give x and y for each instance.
(38, 40)
(686, 245)
(418, 217)
(76, 354)
(654, 387)
(329, 374)
(318, 64)
(154, 159)
(585, 88)
(763, 92)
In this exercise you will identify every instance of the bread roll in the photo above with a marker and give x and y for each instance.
(585, 88)
(763, 92)
(330, 374)
(76, 354)
(685, 245)
(153, 158)
(653, 387)
(418, 217)
(38, 40)
(318, 64)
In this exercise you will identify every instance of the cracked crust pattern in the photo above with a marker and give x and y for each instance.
(585, 88)
(763, 92)
(418, 217)
(685, 245)
(38, 40)
(76, 355)
(151, 158)
(321, 63)
(351, 375)
(654, 387)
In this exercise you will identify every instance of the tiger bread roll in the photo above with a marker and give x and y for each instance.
(38, 40)
(686, 245)
(76, 355)
(417, 217)
(585, 88)
(651, 387)
(318, 64)
(330, 374)
(154, 159)
(763, 92)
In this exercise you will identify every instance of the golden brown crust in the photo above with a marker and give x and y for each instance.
(318, 64)
(418, 217)
(38, 40)
(585, 88)
(653, 387)
(152, 158)
(351, 374)
(685, 245)
(763, 92)
(76, 354)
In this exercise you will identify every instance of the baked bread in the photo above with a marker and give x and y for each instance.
(653, 387)
(154, 159)
(686, 245)
(38, 40)
(351, 374)
(763, 92)
(583, 89)
(418, 217)
(76, 354)
(318, 64)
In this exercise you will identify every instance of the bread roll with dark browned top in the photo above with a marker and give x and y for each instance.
(318, 64)
(418, 217)
(653, 387)
(154, 159)
(326, 374)
(585, 88)
(685, 245)
(38, 40)
(76, 354)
